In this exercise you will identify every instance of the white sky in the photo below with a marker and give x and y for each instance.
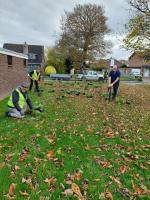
(38, 21)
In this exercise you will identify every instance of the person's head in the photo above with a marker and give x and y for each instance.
(38, 69)
(115, 68)
(24, 87)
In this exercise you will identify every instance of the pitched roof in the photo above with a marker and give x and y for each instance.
(13, 53)
(142, 54)
(35, 49)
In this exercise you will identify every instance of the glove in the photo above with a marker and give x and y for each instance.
(21, 113)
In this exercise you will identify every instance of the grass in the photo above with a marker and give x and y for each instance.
(81, 137)
(130, 78)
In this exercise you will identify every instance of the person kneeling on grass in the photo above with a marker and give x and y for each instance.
(18, 102)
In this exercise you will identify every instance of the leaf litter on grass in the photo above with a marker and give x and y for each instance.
(92, 148)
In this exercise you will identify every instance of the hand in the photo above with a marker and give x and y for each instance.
(22, 113)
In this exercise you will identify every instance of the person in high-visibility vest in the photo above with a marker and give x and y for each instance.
(18, 102)
(34, 78)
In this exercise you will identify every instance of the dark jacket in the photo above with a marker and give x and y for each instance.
(114, 75)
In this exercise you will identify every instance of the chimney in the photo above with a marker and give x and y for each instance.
(25, 48)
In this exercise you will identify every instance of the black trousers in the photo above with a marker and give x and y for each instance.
(36, 85)
(115, 90)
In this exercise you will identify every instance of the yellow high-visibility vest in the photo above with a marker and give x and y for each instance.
(22, 100)
(35, 76)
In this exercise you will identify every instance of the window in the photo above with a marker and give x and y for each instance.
(25, 62)
(94, 73)
(9, 60)
(33, 56)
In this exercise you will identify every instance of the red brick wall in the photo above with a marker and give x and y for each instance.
(136, 61)
(11, 76)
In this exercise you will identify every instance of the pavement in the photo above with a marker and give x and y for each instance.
(146, 80)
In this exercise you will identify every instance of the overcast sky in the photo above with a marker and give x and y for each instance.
(38, 21)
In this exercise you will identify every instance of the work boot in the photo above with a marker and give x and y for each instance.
(7, 114)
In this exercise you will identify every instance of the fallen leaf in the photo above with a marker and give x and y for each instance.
(105, 164)
(77, 175)
(17, 168)
(85, 184)
(90, 130)
(75, 188)
(12, 189)
(140, 190)
(23, 193)
(50, 154)
(67, 192)
(87, 147)
(116, 180)
(143, 167)
(106, 194)
(109, 135)
(50, 181)
(8, 157)
(123, 169)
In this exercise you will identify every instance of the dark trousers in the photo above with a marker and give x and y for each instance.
(115, 90)
(36, 85)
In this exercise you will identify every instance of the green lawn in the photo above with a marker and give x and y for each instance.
(103, 147)
(130, 78)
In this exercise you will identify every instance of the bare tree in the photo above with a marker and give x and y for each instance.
(140, 5)
(83, 32)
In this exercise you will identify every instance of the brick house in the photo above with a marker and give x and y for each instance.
(13, 68)
(140, 61)
(35, 53)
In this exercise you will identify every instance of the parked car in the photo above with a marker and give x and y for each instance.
(90, 75)
(60, 76)
(136, 74)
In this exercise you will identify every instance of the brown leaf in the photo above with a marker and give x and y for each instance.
(143, 167)
(12, 189)
(106, 194)
(116, 180)
(123, 169)
(27, 181)
(75, 188)
(90, 130)
(67, 192)
(17, 168)
(105, 164)
(8, 157)
(24, 154)
(23, 193)
(50, 154)
(148, 162)
(87, 147)
(140, 190)
(85, 184)
(109, 135)
(77, 175)
(50, 181)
